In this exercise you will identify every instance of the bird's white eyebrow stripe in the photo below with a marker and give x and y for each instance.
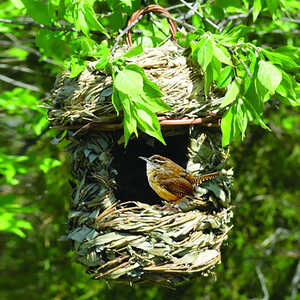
(158, 160)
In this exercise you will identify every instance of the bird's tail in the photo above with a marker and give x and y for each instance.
(205, 177)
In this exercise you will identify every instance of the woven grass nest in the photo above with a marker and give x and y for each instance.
(86, 99)
(118, 225)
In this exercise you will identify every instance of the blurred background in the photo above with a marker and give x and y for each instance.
(261, 258)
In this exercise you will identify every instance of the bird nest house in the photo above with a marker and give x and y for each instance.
(119, 227)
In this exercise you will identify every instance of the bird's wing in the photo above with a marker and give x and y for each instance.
(179, 186)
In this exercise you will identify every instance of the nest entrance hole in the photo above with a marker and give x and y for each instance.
(132, 182)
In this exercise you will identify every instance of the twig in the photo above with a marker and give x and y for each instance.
(42, 26)
(290, 20)
(16, 68)
(279, 31)
(198, 13)
(122, 33)
(19, 83)
(263, 283)
(223, 23)
(37, 25)
(187, 25)
(17, 43)
(175, 6)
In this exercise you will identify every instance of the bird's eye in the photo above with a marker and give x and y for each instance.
(158, 161)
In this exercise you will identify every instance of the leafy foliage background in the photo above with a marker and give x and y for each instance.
(261, 258)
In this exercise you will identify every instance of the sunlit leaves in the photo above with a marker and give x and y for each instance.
(38, 11)
(249, 79)
(48, 163)
(225, 77)
(269, 76)
(10, 166)
(129, 82)
(222, 54)
(256, 9)
(77, 65)
(85, 18)
(53, 44)
(9, 211)
(138, 99)
(232, 93)
(204, 52)
(283, 60)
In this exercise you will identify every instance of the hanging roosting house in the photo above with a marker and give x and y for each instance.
(119, 229)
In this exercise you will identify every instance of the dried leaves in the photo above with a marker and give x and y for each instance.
(138, 242)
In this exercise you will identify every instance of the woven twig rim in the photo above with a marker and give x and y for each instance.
(145, 10)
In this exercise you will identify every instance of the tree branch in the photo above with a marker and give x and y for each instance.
(122, 33)
(42, 26)
(201, 16)
(37, 25)
(262, 283)
(19, 83)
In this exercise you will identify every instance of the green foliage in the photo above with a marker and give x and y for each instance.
(139, 99)
(250, 73)
(250, 79)
(9, 211)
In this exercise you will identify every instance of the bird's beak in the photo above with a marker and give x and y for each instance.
(144, 158)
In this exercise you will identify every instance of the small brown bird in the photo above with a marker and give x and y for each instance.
(170, 181)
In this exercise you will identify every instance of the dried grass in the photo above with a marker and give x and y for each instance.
(87, 98)
(134, 241)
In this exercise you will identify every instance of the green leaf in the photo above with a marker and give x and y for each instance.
(222, 54)
(231, 94)
(151, 86)
(148, 122)
(272, 6)
(253, 113)
(77, 66)
(241, 117)
(49, 163)
(129, 120)
(255, 96)
(234, 122)
(228, 126)
(256, 9)
(216, 67)
(204, 52)
(127, 3)
(91, 18)
(234, 35)
(269, 76)
(140, 99)
(262, 93)
(286, 86)
(102, 63)
(208, 79)
(129, 82)
(116, 101)
(103, 53)
(134, 51)
(225, 77)
(18, 4)
(81, 23)
(50, 41)
(38, 11)
(280, 59)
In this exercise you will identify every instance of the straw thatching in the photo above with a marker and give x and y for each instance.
(87, 98)
(118, 233)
